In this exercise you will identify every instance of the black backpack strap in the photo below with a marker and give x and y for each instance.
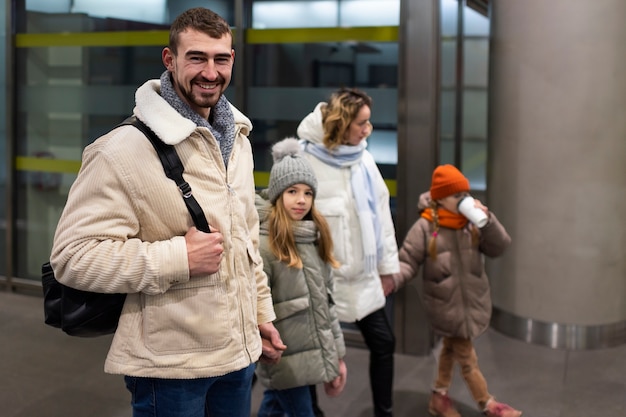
(174, 169)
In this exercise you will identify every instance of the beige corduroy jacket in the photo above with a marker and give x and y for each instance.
(122, 230)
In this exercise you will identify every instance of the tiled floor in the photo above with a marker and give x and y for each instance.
(44, 373)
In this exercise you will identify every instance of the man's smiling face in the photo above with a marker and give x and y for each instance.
(201, 70)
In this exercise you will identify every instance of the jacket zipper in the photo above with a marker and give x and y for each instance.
(459, 234)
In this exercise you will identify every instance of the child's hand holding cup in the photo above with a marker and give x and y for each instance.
(467, 207)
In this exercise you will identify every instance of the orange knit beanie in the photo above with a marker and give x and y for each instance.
(447, 180)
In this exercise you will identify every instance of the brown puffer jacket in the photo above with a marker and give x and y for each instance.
(455, 292)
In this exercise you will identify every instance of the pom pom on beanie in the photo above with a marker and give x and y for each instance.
(290, 167)
(447, 180)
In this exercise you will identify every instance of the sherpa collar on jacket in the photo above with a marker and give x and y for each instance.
(169, 125)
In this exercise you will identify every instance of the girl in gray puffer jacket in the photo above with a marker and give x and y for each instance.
(456, 292)
(296, 246)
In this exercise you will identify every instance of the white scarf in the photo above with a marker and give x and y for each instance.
(363, 191)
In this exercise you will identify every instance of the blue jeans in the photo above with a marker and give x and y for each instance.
(293, 402)
(223, 396)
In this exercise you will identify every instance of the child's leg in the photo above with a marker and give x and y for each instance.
(270, 405)
(445, 365)
(440, 404)
(465, 354)
(293, 402)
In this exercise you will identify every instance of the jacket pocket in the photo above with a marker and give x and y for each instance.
(254, 256)
(291, 307)
(477, 264)
(254, 259)
(293, 322)
(439, 269)
(187, 319)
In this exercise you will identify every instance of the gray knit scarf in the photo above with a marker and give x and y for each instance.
(223, 126)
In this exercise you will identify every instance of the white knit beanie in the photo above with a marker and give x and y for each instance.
(290, 167)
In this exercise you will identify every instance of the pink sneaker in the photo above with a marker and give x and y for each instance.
(496, 409)
(440, 405)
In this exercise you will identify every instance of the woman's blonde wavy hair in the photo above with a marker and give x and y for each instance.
(341, 110)
(283, 242)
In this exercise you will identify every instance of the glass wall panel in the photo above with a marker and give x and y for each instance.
(324, 13)
(302, 14)
(113, 14)
(369, 12)
(4, 155)
(475, 85)
(290, 79)
(67, 96)
(449, 17)
(447, 128)
(464, 136)
(476, 62)
(475, 24)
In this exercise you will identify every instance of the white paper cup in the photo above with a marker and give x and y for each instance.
(474, 214)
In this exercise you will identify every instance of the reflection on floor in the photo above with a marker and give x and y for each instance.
(44, 373)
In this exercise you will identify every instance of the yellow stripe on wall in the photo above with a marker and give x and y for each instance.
(314, 35)
(253, 36)
(392, 186)
(131, 38)
(261, 179)
(23, 163)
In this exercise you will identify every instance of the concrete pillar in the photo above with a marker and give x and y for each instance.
(418, 110)
(557, 170)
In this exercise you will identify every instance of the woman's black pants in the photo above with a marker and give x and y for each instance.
(379, 338)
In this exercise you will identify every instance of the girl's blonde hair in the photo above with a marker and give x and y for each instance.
(283, 242)
(341, 110)
(432, 242)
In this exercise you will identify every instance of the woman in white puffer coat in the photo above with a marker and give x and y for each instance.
(354, 198)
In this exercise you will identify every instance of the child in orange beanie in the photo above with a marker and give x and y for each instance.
(456, 289)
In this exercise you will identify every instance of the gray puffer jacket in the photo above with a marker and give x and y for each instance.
(305, 311)
(456, 294)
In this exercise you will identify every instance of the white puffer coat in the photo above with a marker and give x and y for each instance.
(357, 294)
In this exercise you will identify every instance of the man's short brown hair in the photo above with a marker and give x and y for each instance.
(199, 19)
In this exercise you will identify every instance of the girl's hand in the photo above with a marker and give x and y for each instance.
(481, 206)
(336, 386)
(272, 345)
(389, 285)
